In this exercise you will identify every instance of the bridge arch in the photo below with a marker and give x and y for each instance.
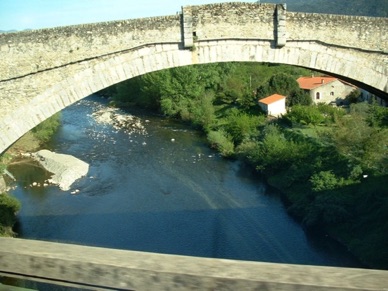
(87, 63)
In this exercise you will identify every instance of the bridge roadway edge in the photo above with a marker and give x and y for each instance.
(130, 270)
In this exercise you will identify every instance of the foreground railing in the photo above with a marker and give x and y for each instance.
(100, 268)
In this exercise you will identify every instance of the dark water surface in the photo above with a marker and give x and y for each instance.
(149, 193)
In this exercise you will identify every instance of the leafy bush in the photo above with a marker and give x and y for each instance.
(241, 126)
(324, 180)
(360, 143)
(222, 142)
(45, 130)
(354, 96)
(305, 115)
(298, 97)
(330, 113)
(377, 116)
(8, 207)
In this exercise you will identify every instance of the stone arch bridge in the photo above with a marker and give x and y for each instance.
(43, 71)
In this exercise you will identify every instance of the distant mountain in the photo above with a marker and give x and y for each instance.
(375, 8)
(13, 30)
(7, 31)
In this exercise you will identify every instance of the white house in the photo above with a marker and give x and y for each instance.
(325, 89)
(274, 105)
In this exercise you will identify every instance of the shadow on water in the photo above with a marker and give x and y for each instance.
(220, 233)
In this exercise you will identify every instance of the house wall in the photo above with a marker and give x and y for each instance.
(276, 108)
(264, 107)
(335, 91)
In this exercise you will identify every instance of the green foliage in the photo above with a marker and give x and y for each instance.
(130, 92)
(274, 148)
(327, 209)
(360, 143)
(276, 151)
(241, 87)
(314, 115)
(377, 116)
(45, 130)
(354, 96)
(222, 142)
(305, 115)
(4, 159)
(325, 180)
(298, 97)
(203, 111)
(360, 109)
(279, 84)
(241, 126)
(8, 207)
(330, 113)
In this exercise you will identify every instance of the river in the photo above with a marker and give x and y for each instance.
(163, 191)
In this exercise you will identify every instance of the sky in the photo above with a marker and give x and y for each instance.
(36, 14)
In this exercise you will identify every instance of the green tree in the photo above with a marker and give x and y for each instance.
(298, 97)
(278, 84)
(360, 143)
(354, 96)
(241, 126)
(203, 113)
(377, 115)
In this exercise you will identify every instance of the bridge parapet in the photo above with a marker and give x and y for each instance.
(34, 51)
(357, 32)
(129, 270)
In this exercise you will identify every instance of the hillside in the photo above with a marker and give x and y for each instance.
(375, 8)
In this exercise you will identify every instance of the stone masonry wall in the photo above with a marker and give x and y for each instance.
(234, 20)
(38, 50)
(256, 21)
(349, 31)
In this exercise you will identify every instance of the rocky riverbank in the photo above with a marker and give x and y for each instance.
(119, 120)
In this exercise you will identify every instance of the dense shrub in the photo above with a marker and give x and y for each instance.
(305, 115)
(222, 142)
(45, 130)
(8, 207)
(241, 126)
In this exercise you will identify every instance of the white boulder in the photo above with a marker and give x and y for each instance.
(66, 169)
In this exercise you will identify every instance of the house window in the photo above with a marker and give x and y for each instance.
(318, 96)
(331, 93)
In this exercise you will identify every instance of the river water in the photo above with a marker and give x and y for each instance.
(164, 191)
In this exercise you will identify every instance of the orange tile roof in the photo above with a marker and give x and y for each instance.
(271, 99)
(309, 83)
